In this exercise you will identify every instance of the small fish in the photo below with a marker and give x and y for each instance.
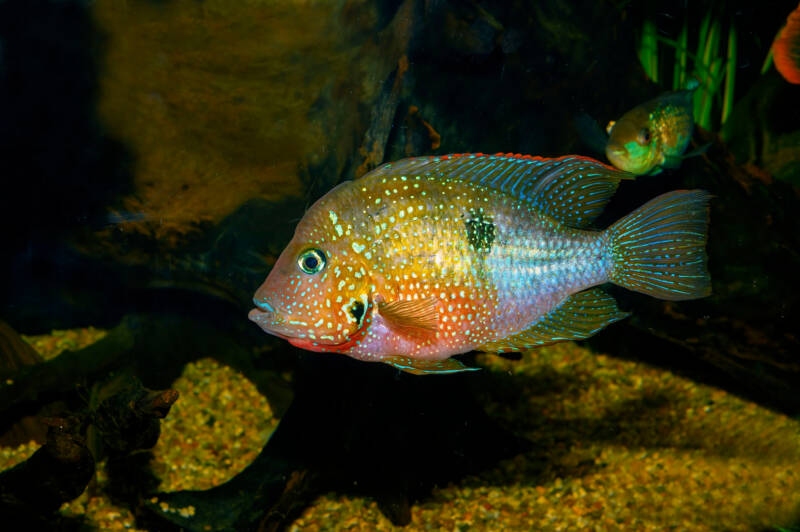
(648, 138)
(653, 136)
(786, 48)
(430, 257)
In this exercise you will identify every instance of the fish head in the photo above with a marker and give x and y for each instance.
(317, 295)
(632, 143)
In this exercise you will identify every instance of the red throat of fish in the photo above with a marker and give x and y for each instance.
(344, 347)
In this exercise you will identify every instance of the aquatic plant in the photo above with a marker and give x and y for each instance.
(709, 64)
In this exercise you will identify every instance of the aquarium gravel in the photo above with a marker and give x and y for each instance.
(617, 445)
(215, 429)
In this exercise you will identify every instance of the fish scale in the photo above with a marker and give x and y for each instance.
(430, 257)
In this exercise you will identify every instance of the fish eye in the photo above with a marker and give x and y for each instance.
(311, 261)
(644, 136)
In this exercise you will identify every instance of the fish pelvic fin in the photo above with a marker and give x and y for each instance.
(426, 367)
(580, 316)
(659, 249)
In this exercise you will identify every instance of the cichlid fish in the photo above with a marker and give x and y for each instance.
(429, 257)
(653, 136)
(786, 48)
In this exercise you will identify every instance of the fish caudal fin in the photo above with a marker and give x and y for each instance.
(659, 249)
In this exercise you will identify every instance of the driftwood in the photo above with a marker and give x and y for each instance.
(352, 428)
(154, 347)
(127, 420)
(14, 354)
(56, 473)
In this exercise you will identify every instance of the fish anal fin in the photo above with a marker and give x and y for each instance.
(419, 314)
(578, 317)
(426, 367)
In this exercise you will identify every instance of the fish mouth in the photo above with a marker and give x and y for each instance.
(263, 305)
(269, 321)
(616, 151)
(618, 156)
(275, 324)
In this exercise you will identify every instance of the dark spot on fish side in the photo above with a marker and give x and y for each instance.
(357, 311)
(480, 231)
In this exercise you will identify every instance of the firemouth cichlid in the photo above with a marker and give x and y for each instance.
(653, 136)
(429, 257)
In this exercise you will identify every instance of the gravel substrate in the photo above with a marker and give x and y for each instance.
(215, 429)
(617, 445)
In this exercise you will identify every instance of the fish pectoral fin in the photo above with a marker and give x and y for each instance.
(578, 317)
(419, 314)
(426, 367)
(697, 151)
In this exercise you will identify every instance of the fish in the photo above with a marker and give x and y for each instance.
(786, 48)
(430, 257)
(650, 137)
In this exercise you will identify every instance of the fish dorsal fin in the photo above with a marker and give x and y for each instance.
(426, 367)
(579, 317)
(590, 132)
(415, 314)
(572, 189)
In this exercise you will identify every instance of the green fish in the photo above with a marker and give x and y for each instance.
(653, 136)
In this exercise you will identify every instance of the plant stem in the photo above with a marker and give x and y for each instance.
(730, 74)
(679, 72)
(648, 50)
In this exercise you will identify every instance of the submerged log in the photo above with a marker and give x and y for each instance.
(353, 428)
(126, 421)
(56, 473)
(15, 353)
(129, 420)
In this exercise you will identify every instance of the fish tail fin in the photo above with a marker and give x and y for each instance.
(659, 249)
